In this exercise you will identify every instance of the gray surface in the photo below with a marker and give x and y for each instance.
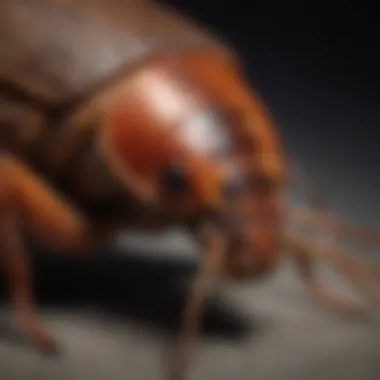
(300, 341)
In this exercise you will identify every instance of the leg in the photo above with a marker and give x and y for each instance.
(304, 253)
(359, 273)
(26, 202)
(304, 260)
(18, 269)
(332, 225)
(203, 286)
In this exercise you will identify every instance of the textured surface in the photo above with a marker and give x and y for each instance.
(296, 339)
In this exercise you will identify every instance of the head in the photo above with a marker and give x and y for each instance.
(186, 154)
(244, 205)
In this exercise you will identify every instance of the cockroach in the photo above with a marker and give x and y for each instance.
(119, 115)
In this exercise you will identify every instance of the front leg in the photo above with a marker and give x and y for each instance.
(303, 256)
(26, 202)
(203, 286)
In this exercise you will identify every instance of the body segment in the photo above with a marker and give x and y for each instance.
(117, 115)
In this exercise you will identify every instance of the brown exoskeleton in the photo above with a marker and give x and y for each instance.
(125, 115)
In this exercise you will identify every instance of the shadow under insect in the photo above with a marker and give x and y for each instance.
(150, 290)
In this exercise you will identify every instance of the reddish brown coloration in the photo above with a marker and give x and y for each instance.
(124, 115)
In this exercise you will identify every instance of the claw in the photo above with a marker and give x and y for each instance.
(39, 335)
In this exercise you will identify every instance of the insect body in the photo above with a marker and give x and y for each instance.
(125, 115)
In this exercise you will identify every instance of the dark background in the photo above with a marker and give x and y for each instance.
(316, 64)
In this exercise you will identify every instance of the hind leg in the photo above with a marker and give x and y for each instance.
(18, 270)
(27, 202)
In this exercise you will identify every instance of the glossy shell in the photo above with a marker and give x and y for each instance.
(56, 50)
(56, 55)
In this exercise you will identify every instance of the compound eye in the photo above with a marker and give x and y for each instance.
(174, 180)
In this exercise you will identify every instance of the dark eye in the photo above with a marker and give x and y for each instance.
(174, 180)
